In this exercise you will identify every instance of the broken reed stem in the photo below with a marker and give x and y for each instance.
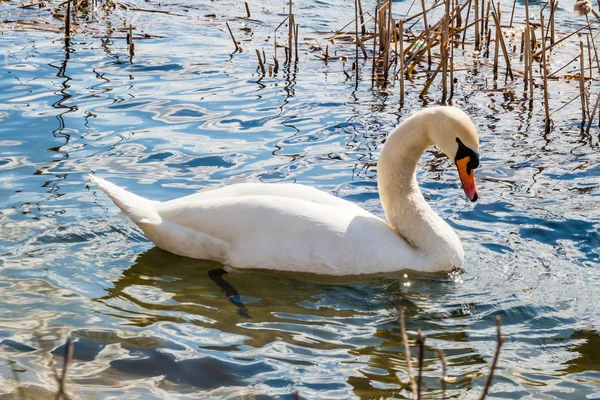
(260, 62)
(455, 13)
(497, 20)
(440, 354)
(545, 74)
(401, 56)
(582, 81)
(411, 375)
(356, 36)
(61, 394)
(426, 30)
(497, 42)
(291, 24)
(564, 66)
(237, 48)
(131, 43)
(512, 13)
(466, 25)
(593, 45)
(476, 17)
(421, 344)
(566, 37)
(499, 343)
(374, 42)
(296, 41)
(590, 59)
(444, 50)
(553, 8)
(363, 28)
(247, 9)
(68, 21)
(587, 130)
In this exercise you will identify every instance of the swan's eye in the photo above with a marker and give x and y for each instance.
(464, 152)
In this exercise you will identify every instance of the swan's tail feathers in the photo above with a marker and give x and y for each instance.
(139, 209)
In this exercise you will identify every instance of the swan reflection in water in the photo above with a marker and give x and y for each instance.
(305, 321)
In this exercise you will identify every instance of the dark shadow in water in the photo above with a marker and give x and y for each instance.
(232, 294)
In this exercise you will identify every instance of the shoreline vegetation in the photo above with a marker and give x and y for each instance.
(428, 47)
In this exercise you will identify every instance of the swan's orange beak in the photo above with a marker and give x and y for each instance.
(467, 178)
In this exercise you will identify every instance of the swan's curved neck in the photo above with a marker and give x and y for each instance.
(404, 205)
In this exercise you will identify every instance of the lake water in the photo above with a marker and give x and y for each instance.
(185, 114)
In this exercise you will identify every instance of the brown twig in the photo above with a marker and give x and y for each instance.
(61, 394)
(411, 375)
(237, 48)
(421, 344)
(440, 354)
(499, 343)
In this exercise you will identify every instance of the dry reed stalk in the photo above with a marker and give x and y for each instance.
(522, 51)
(374, 43)
(237, 48)
(564, 66)
(401, 56)
(62, 384)
(582, 81)
(545, 74)
(68, 21)
(553, 8)
(444, 50)
(456, 6)
(487, 19)
(419, 14)
(456, 17)
(296, 42)
(497, 43)
(363, 28)
(247, 9)
(499, 343)
(260, 62)
(466, 25)
(415, 59)
(476, 17)
(430, 81)
(530, 62)
(264, 56)
(411, 375)
(512, 13)
(526, 57)
(421, 344)
(276, 65)
(497, 20)
(593, 46)
(481, 21)
(590, 60)
(291, 24)
(388, 46)
(487, 44)
(426, 30)
(567, 36)
(587, 130)
(131, 43)
(356, 35)
(440, 354)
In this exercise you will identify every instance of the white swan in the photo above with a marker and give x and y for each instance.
(294, 227)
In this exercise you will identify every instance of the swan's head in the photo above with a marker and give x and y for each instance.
(455, 134)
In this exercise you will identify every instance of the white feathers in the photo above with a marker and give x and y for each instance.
(294, 227)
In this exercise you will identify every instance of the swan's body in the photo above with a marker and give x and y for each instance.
(294, 227)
